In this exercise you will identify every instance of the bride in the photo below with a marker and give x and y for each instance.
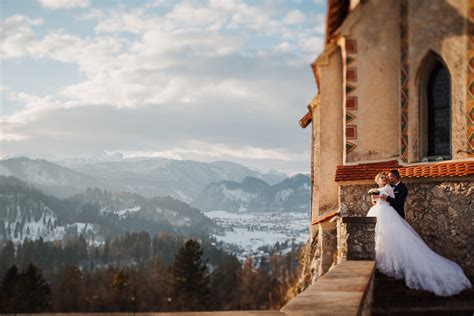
(401, 253)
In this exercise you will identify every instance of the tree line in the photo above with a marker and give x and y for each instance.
(139, 273)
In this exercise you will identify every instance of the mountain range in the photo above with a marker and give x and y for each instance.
(181, 179)
(103, 198)
(255, 195)
(96, 214)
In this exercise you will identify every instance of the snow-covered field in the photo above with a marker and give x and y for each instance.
(251, 231)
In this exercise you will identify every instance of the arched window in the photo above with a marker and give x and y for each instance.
(435, 114)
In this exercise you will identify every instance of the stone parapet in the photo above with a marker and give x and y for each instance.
(345, 290)
(360, 237)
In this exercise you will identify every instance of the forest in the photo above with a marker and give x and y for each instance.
(136, 272)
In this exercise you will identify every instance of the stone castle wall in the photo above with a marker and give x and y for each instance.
(442, 212)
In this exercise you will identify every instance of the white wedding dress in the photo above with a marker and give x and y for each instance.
(401, 253)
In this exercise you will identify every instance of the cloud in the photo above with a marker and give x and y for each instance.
(283, 47)
(93, 14)
(218, 81)
(295, 17)
(64, 4)
(218, 152)
(17, 35)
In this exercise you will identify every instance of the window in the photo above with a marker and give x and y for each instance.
(435, 111)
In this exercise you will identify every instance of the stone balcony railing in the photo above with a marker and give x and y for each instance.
(360, 237)
(346, 289)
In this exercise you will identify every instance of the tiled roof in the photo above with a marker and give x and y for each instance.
(449, 169)
(325, 217)
(431, 170)
(337, 11)
(366, 171)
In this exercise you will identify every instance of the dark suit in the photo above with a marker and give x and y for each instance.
(398, 203)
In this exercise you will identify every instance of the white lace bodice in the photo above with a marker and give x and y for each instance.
(386, 190)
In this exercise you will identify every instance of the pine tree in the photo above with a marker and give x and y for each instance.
(8, 256)
(70, 290)
(27, 292)
(191, 287)
(9, 291)
(225, 284)
(123, 291)
(34, 292)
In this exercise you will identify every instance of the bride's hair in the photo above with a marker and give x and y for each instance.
(380, 174)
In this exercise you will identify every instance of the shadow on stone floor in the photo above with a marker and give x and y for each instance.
(392, 297)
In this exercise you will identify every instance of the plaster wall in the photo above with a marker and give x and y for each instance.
(376, 32)
(438, 26)
(328, 130)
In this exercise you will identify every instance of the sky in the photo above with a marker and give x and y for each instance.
(193, 80)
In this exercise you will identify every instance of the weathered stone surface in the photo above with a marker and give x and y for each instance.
(319, 255)
(311, 263)
(345, 290)
(360, 237)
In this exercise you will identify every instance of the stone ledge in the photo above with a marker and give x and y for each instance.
(345, 290)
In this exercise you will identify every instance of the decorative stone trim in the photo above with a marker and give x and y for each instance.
(470, 79)
(404, 75)
(350, 146)
(351, 131)
(351, 103)
(351, 87)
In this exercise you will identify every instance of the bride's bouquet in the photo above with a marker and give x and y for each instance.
(374, 192)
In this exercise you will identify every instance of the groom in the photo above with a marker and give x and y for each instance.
(400, 190)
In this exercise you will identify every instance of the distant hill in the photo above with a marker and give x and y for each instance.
(292, 194)
(27, 212)
(149, 177)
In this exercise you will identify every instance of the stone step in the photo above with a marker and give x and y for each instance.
(393, 297)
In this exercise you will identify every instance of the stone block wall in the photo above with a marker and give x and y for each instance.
(441, 211)
(318, 256)
(360, 237)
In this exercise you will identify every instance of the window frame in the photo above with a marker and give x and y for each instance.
(430, 63)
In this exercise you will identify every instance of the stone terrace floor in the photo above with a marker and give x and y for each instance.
(392, 297)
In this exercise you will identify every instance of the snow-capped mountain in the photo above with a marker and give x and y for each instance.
(255, 195)
(96, 214)
(181, 179)
(49, 177)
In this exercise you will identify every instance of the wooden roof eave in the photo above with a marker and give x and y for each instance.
(308, 117)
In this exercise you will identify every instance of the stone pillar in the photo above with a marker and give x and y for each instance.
(328, 238)
(360, 237)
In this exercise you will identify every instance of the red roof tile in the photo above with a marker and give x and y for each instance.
(324, 217)
(432, 170)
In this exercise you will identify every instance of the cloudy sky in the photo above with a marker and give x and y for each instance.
(200, 80)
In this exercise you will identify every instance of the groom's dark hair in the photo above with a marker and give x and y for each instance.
(395, 173)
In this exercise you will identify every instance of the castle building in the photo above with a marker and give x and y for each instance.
(395, 86)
